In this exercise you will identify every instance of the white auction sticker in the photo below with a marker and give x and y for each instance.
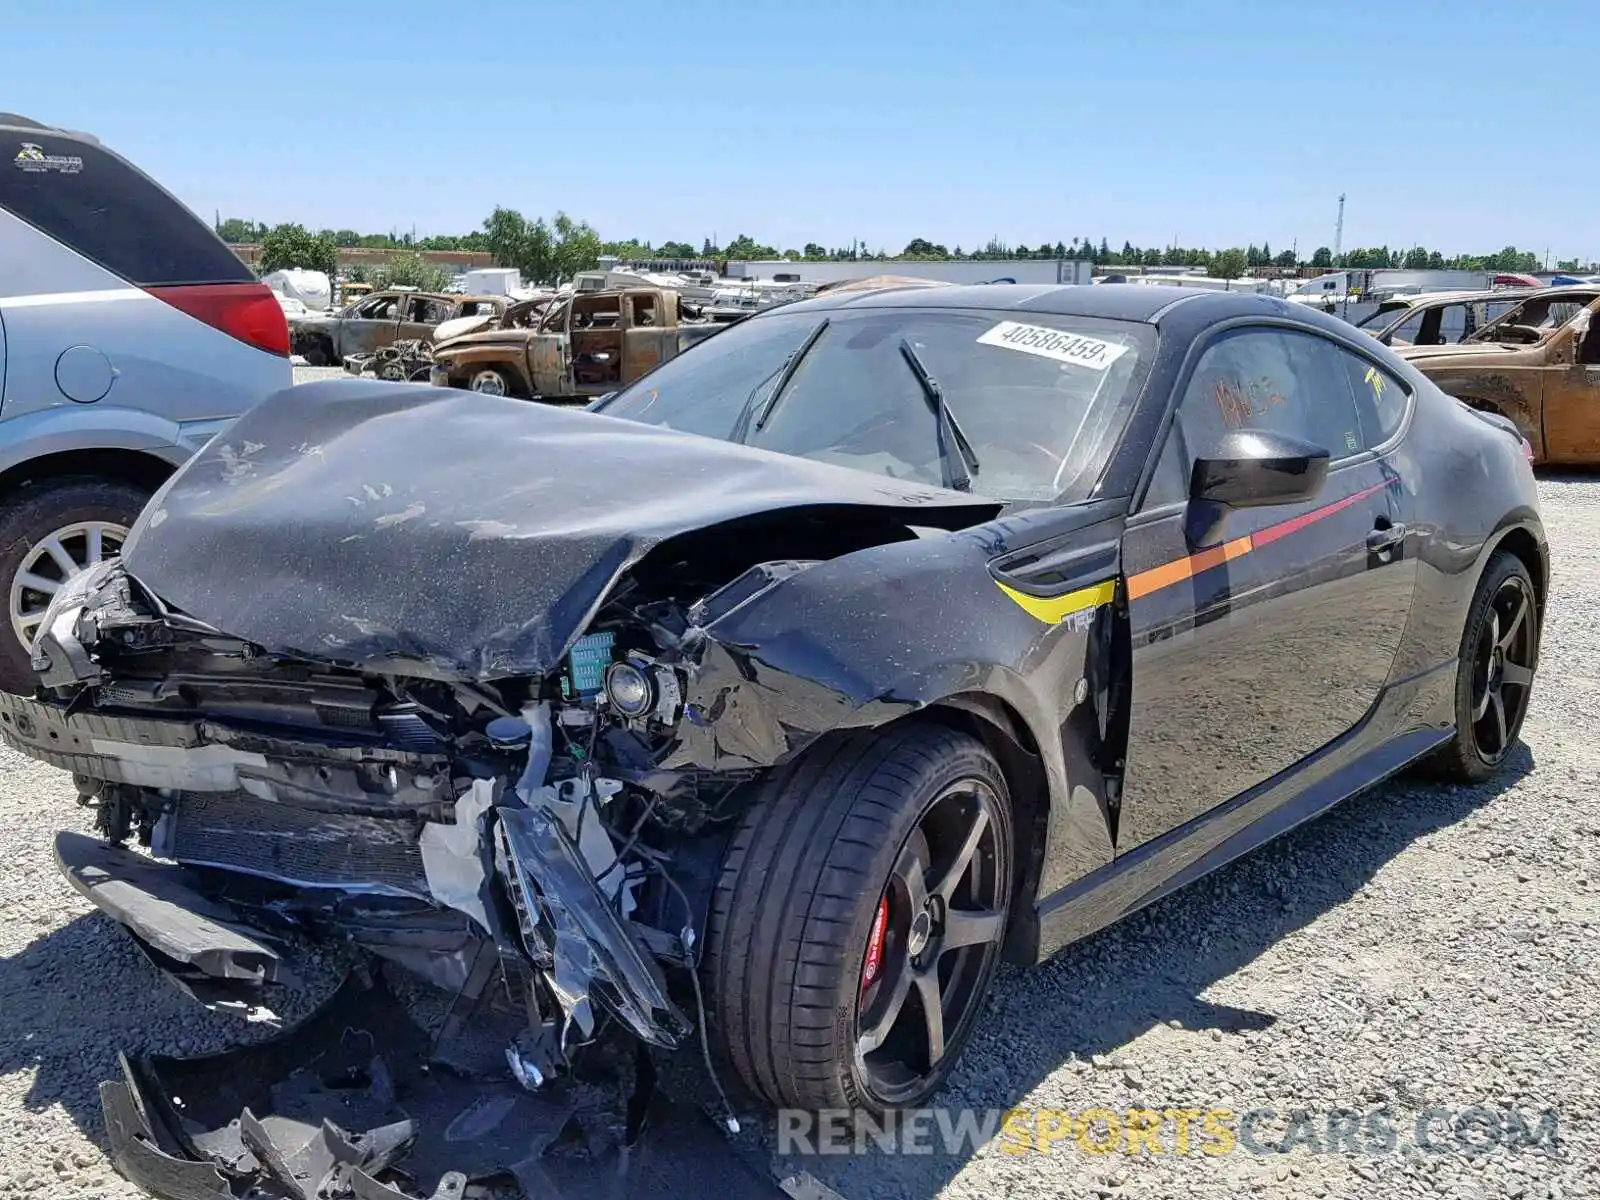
(1073, 348)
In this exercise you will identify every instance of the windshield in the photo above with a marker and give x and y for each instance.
(1036, 400)
(1382, 316)
(1542, 314)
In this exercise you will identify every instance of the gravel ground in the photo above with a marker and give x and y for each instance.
(1419, 947)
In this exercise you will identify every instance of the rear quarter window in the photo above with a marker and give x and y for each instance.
(100, 205)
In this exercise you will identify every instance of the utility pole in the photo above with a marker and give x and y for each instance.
(1338, 235)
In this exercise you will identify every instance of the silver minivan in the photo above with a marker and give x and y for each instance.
(129, 334)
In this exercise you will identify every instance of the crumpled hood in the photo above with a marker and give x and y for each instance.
(357, 522)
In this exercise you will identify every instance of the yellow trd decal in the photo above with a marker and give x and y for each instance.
(1056, 609)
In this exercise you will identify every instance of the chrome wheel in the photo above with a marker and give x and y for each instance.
(490, 383)
(51, 562)
(1502, 669)
(933, 943)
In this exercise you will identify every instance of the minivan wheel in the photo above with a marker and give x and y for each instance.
(858, 920)
(1494, 672)
(49, 532)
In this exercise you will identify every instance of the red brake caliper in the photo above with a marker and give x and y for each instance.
(880, 924)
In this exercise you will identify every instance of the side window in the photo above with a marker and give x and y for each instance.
(1452, 325)
(427, 310)
(1274, 381)
(1170, 483)
(1380, 398)
(1408, 331)
(377, 308)
(91, 199)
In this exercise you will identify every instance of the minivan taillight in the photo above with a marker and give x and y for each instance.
(247, 311)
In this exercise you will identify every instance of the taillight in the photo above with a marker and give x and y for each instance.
(247, 311)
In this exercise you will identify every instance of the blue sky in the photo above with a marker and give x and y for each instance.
(1461, 125)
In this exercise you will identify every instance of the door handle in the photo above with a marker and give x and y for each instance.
(1385, 537)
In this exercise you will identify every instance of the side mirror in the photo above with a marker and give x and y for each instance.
(1252, 468)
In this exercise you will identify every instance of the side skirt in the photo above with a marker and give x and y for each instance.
(1354, 763)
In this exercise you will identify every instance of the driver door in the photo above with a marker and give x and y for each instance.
(1572, 393)
(1260, 638)
(549, 363)
(422, 315)
(373, 323)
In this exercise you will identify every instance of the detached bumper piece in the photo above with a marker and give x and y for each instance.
(348, 1105)
(198, 943)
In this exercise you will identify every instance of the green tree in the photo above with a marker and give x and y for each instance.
(1322, 257)
(676, 250)
(575, 247)
(1228, 264)
(236, 231)
(746, 249)
(628, 250)
(286, 246)
(1285, 260)
(922, 248)
(507, 233)
(410, 269)
(1416, 259)
(1435, 261)
(813, 251)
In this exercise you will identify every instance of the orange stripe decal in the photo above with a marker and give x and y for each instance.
(1188, 567)
(1180, 569)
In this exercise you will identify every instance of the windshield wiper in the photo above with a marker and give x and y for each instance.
(743, 427)
(965, 465)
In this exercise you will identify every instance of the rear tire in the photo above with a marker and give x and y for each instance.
(1494, 673)
(802, 1007)
(29, 518)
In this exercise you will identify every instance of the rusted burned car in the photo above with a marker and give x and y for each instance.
(381, 319)
(1438, 318)
(570, 347)
(1539, 364)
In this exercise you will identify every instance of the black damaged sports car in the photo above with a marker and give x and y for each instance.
(786, 691)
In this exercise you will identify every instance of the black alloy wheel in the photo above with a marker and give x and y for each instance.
(935, 936)
(1495, 671)
(859, 918)
(1502, 668)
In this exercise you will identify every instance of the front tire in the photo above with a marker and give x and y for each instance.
(858, 919)
(491, 381)
(1494, 672)
(48, 532)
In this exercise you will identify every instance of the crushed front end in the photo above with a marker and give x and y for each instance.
(518, 835)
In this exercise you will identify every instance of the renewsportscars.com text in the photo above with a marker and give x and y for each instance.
(1199, 1130)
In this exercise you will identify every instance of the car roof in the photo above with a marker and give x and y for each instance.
(453, 297)
(1422, 299)
(1113, 301)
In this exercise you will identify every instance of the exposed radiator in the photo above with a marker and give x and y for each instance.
(239, 832)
